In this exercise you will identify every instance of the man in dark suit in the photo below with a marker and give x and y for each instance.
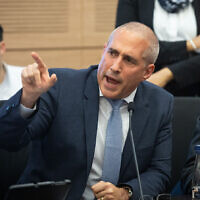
(65, 113)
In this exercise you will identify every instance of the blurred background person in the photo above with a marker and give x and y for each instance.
(10, 76)
(177, 26)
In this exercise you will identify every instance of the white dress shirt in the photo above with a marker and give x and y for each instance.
(105, 110)
(12, 81)
(174, 26)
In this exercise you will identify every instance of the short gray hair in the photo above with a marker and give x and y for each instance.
(151, 53)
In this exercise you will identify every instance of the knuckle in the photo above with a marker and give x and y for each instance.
(110, 190)
(108, 184)
(36, 72)
(35, 66)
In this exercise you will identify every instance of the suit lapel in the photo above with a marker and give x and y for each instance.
(91, 109)
(139, 118)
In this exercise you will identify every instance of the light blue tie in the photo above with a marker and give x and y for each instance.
(113, 144)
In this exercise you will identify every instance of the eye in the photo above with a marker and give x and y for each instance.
(113, 52)
(130, 60)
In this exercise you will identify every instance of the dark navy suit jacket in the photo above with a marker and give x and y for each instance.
(63, 133)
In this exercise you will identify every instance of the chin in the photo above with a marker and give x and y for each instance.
(110, 95)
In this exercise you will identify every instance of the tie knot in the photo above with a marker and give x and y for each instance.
(116, 104)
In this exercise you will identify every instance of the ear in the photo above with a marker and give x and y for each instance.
(2, 48)
(149, 71)
(104, 47)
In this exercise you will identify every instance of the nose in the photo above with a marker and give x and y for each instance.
(117, 65)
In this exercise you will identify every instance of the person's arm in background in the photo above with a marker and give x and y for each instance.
(178, 65)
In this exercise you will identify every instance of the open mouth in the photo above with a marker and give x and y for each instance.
(112, 80)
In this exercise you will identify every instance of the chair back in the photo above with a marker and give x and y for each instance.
(186, 111)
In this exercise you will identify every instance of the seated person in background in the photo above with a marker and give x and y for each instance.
(187, 172)
(177, 25)
(70, 126)
(10, 76)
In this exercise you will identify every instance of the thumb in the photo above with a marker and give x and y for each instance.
(52, 80)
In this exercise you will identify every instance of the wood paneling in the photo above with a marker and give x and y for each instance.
(53, 58)
(66, 33)
(35, 16)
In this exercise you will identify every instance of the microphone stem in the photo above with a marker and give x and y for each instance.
(134, 155)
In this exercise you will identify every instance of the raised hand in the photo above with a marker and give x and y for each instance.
(35, 81)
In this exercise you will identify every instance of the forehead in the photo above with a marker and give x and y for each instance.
(127, 42)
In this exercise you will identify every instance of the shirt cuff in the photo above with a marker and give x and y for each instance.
(26, 112)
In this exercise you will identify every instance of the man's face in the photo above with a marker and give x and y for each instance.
(122, 66)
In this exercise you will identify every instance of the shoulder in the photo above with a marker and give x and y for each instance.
(154, 90)
(155, 96)
(158, 100)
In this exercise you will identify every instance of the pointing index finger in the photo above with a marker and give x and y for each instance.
(41, 65)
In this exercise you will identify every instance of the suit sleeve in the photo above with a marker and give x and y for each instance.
(187, 172)
(16, 132)
(186, 72)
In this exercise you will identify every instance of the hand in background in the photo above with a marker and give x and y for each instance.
(107, 191)
(161, 77)
(193, 44)
(196, 41)
(35, 81)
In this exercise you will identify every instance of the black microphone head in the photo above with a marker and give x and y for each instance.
(131, 106)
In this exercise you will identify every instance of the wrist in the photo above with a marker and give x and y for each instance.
(193, 44)
(28, 100)
(127, 192)
(168, 74)
(189, 46)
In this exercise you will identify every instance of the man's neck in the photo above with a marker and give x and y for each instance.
(2, 73)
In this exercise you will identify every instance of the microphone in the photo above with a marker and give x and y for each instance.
(131, 110)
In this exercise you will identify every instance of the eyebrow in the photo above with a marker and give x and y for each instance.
(130, 58)
(125, 56)
(114, 50)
